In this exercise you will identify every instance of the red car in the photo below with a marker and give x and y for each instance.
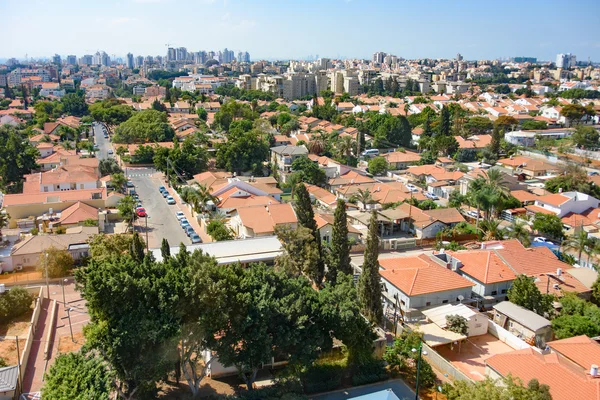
(141, 212)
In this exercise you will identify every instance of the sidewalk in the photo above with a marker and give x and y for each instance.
(33, 377)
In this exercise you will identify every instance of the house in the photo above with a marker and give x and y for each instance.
(282, 157)
(27, 252)
(64, 177)
(97, 92)
(425, 224)
(528, 138)
(524, 324)
(398, 160)
(331, 167)
(477, 322)
(582, 351)
(255, 221)
(9, 377)
(421, 281)
(351, 177)
(322, 196)
(528, 167)
(565, 203)
(237, 194)
(381, 193)
(76, 215)
(325, 227)
(565, 381)
(473, 143)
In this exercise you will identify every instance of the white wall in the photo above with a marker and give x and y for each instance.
(505, 336)
(478, 325)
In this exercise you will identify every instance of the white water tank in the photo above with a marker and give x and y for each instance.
(594, 370)
(2, 288)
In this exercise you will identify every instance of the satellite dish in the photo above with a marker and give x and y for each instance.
(461, 297)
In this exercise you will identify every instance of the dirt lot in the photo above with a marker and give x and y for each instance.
(66, 345)
(18, 327)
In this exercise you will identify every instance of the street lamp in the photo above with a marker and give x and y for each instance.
(421, 352)
(70, 326)
(46, 269)
(62, 284)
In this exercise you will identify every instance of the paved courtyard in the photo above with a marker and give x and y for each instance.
(473, 353)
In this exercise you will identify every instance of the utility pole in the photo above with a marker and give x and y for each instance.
(147, 245)
(19, 365)
(70, 326)
(418, 368)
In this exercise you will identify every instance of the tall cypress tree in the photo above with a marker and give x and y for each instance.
(369, 283)
(340, 246)
(165, 249)
(444, 125)
(137, 247)
(306, 218)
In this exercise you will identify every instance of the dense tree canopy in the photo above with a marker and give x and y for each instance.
(74, 104)
(17, 158)
(243, 151)
(145, 126)
(110, 112)
(525, 293)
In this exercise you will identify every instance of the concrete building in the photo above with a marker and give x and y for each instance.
(524, 324)
(566, 61)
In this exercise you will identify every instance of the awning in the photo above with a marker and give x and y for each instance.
(435, 336)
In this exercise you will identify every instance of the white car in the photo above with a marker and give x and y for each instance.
(110, 151)
(541, 239)
(473, 214)
(411, 187)
(170, 200)
(180, 215)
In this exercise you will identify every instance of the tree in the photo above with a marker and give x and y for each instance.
(340, 245)
(301, 254)
(126, 208)
(108, 166)
(495, 144)
(586, 137)
(306, 218)
(14, 303)
(189, 158)
(504, 389)
(218, 231)
(572, 178)
(137, 247)
(165, 249)
(159, 106)
(567, 326)
(17, 158)
(403, 355)
(133, 319)
(308, 171)
(369, 282)
(573, 113)
(118, 181)
(258, 314)
(74, 104)
(145, 126)
(491, 230)
(4, 218)
(444, 122)
(519, 231)
(458, 324)
(243, 150)
(548, 224)
(378, 165)
(580, 242)
(479, 125)
(364, 197)
(55, 262)
(103, 247)
(525, 293)
(78, 376)
(506, 123)
(111, 112)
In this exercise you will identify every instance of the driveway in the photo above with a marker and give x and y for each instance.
(162, 222)
(397, 386)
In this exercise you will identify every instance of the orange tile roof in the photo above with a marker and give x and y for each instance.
(420, 275)
(352, 177)
(485, 266)
(515, 161)
(402, 157)
(474, 142)
(537, 209)
(446, 215)
(229, 201)
(425, 170)
(564, 283)
(523, 195)
(565, 381)
(321, 194)
(529, 261)
(582, 350)
(53, 197)
(263, 219)
(328, 219)
(77, 213)
(556, 199)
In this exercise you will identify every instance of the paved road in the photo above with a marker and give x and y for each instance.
(103, 144)
(397, 386)
(161, 216)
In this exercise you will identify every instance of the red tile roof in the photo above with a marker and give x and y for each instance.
(485, 266)
(420, 275)
(582, 350)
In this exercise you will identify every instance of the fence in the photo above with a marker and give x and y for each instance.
(444, 366)
(31, 334)
(505, 336)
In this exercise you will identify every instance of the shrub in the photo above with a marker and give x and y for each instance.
(322, 378)
(373, 371)
(14, 303)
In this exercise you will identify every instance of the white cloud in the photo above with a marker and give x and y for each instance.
(122, 20)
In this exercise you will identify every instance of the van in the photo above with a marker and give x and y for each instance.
(370, 153)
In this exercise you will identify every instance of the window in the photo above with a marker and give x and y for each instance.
(444, 302)
(402, 302)
(503, 291)
(427, 304)
(494, 292)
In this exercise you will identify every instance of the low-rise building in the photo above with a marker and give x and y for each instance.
(282, 157)
(524, 324)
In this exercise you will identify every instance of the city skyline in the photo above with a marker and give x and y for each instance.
(270, 30)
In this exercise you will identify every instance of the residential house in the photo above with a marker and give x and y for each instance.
(27, 252)
(321, 196)
(352, 177)
(425, 224)
(565, 203)
(477, 323)
(473, 143)
(417, 282)
(528, 138)
(399, 160)
(97, 92)
(282, 157)
(66, 177)
(524, 324)
(325, 226)
(255, 221)
(581, 351)
(565, 381)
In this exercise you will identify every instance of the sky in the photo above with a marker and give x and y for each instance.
(297, 29)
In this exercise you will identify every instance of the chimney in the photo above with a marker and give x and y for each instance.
(594, 370)
(558, 271)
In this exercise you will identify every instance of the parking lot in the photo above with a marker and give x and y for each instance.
(162, 222)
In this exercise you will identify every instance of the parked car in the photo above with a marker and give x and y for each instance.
(141, 212)
(370, 153)
(180, 215)
(411, 187)
(184, 225)
(130, 184)
(183, 221)
(473, 214)
(110, 151)
(431, 196)
(170, 200)
(195, 238)
(139, 204)
(165, 194)
(541, 239)
(189, 230)
(162, 189)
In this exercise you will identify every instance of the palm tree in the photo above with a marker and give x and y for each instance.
(363, 196)
(491, 230)
(519, 231)
(202, 198)
(4, 217)
(345, 145)
(580, 242)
